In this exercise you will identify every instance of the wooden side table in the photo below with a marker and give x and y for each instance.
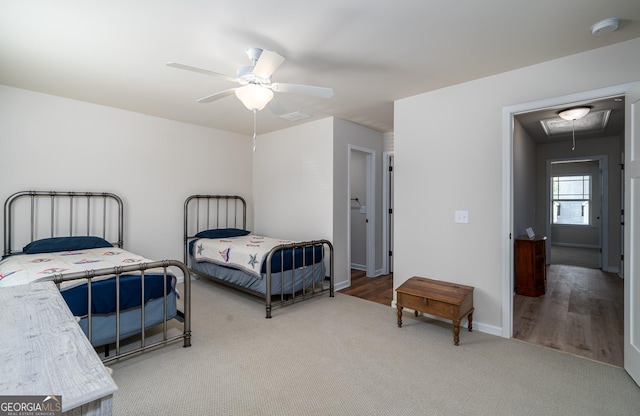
(435, 297)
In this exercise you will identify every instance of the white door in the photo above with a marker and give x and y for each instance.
(632, 234)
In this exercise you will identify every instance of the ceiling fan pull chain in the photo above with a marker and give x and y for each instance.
(255, 112)
(573, 128)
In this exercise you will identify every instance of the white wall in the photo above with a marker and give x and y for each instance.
(448, 156)
(524, 182)
(153, 164)
(292, 182)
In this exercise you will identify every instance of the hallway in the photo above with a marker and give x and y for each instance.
(582, 313)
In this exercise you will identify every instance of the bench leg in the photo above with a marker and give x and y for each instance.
(456, 332)
(400, 316)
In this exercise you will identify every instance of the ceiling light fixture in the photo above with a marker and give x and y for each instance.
(574, 114)
(255, 97)
(605, 26)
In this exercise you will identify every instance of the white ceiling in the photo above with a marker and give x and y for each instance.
(371, 52)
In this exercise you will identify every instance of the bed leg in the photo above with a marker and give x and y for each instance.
(268, 312)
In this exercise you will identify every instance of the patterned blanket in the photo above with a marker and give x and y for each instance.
(245, 253)
(26, 268)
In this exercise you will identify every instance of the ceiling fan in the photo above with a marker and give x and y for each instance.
(256, 88)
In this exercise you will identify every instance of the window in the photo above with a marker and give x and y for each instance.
(571, 199)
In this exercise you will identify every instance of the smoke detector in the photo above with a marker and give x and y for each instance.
(605, 26)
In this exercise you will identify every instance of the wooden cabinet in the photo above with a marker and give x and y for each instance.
(531, 266)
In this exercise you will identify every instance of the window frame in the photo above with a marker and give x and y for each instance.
(586, 200)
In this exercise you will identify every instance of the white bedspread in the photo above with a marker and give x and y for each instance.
(246, 253)
(26, 268)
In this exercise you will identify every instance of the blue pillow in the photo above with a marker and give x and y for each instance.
(222, 233)
(51, 245)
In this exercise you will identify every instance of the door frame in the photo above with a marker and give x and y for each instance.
(632, 234)
(508, 114)
(387, 216)
(370, 199)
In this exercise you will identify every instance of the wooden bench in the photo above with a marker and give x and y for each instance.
(438, 298)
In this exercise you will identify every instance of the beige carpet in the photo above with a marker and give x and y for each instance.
(346, 356)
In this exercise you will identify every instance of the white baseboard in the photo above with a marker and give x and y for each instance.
(477, 326)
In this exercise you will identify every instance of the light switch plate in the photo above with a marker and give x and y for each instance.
(461, 217)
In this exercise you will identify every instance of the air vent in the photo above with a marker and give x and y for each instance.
(295, 116)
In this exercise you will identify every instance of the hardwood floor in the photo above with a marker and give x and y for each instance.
(376, 289)
(581, 313)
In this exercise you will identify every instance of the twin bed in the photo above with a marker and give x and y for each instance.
(218, 246)
(75, 240)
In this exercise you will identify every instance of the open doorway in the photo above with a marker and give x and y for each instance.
(379, 289)
(577, 211)
(362, 209)
(581, 310)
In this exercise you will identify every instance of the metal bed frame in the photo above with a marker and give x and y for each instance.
(224, 211)
(49, 221)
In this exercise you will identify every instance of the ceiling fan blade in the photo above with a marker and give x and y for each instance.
(268, 62)
(201, 70)
(321, 92)
(217, 96)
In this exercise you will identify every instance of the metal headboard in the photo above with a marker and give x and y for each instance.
(41, 214)
(204, 212)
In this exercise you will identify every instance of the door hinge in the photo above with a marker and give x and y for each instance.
(390, 168)
(390, 211)
(390, 253)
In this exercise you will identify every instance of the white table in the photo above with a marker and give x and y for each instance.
(43, 351)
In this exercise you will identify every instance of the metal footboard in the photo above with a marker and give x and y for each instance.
(89, 275)
(309, 289)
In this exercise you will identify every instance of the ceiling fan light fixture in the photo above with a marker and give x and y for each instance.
(253, 96)
(574, 113)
